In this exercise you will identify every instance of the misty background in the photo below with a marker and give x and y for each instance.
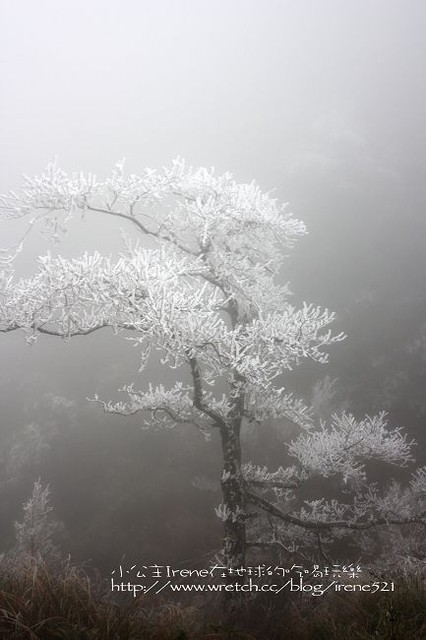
(321, 101)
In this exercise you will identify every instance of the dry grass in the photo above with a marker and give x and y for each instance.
(398, 615)
(38, 603)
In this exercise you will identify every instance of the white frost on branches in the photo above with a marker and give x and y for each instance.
(345, 446)
(34, 534)
(207, 295)
(224, 513)
(418, 483)
(205, 299)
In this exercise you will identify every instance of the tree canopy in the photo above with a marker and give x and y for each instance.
(206, 295)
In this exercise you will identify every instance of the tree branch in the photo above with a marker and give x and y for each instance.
(143, 228)
(274, 484)
(198, 398)
(61, 334)
(313, 525)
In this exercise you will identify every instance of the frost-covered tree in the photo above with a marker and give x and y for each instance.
(34, 535)
(206, 297)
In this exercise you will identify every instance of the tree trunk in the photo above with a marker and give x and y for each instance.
(234, 544)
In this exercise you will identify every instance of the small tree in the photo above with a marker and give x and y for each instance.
(207, 299)
(34, 535)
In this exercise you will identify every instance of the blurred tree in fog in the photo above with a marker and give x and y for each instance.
(203, 294)
(34, 535)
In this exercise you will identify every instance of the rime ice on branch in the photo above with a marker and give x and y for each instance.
(207, 300)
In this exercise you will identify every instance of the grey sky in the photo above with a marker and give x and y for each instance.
(323, 100)
(259, 88)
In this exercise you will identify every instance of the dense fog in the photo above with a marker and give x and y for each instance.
(321, 102)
